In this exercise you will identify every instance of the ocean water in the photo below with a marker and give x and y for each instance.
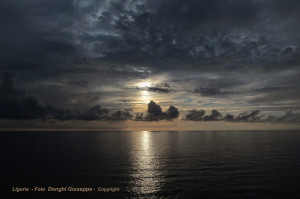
(220, 164)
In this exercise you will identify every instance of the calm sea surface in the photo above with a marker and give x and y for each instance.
(222, 164)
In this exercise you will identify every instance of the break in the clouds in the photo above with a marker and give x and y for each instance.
(230, 56)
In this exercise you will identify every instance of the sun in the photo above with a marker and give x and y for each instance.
(145, 95)
(144, 84)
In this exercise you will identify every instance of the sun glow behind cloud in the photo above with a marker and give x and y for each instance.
(144, 84)
(145, 97)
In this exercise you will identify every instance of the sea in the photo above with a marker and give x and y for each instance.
(144, 164)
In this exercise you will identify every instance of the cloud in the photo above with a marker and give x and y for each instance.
(94, 113)
(228, 117)
(232, 48)
(195, 115)
(208, 91)
(199, 115)
(121, 115)
(219, 34)
(14, 104)
(161, 26)
(214, 116)
(158, 89)
(247, 116)
(172, 112)
(62, 114)
(81, 83)
(287, 116)
(155, 113)
(211, 84)
(154, 109)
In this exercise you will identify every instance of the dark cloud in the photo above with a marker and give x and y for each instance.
(199, 115)
(172, 112)
(94, 113)
(214, 86)
(121, 115)
(214, 116)
(221, 34)
(8, 85)
(246, 116)
(228, 117)
(154, 109)
(15, 104)
(155, 113)
(249, 116)
(81, 83)
(195, 115)
(160, 88)
(32, 40)
(62, 114)
(208, 91)
(139, 117)
(271, 89)
(169, 28)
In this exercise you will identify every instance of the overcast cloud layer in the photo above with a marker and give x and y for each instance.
(64, 58)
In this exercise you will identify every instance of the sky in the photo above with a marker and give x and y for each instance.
(150, 64)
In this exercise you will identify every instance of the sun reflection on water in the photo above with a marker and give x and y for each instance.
(145, 166)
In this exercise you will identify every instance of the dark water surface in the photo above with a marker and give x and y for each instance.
(222, 164)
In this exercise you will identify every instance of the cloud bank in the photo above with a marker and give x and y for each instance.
(155, 113)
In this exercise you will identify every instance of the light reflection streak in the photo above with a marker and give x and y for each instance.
(146, 170)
